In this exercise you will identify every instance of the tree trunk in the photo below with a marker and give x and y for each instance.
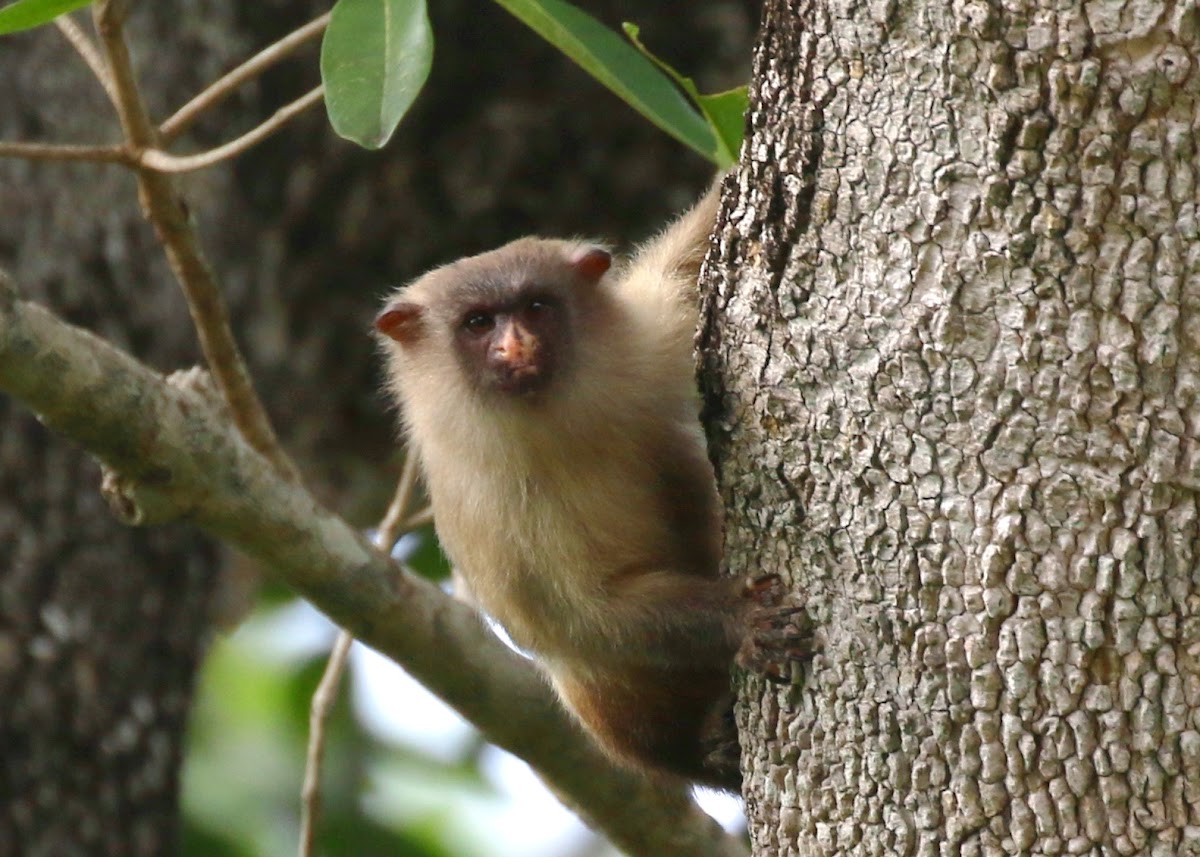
(101, 626)
(953, 373)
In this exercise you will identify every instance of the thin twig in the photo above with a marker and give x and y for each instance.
(420, 519)
(390, 527)
(389, 530)
(87, 49)
(322, 703)
(165, 209)
(65, 152)
(221, 88)
(156, 159)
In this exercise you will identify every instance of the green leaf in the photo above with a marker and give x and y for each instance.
(620, 67)
(27, 14)
(374, 60)
(724, 111)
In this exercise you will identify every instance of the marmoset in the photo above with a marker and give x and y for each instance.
(550, 395)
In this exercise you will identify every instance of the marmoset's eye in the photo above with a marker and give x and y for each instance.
(479, 322)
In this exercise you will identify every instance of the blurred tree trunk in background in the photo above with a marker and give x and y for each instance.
(955, 368)
(101, 627)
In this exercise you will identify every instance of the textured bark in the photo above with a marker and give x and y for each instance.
(100, 626)
(954, 379)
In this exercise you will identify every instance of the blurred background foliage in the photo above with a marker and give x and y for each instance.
(305, 232)
(403, 774)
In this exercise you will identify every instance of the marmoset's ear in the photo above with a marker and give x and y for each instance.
(401, 321)
(591, 262)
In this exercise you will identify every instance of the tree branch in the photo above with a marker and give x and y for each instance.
(163, 162)
(65, 152)
(165, 209)
(185, 116)
(87, 49)
(177, 457)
